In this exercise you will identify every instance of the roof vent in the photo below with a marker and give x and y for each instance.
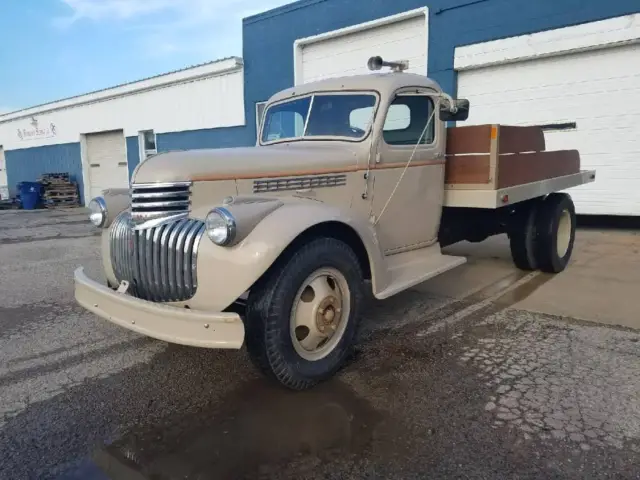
(376, 63)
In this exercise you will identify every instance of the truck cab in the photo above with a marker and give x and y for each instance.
(354, 183)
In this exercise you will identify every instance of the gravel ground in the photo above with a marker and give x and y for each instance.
(442, 386)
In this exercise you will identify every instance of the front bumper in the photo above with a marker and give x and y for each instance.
(171, 324)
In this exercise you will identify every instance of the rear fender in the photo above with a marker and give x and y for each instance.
(225, 273)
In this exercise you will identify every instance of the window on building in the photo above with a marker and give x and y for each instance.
(147, 141)
(406, 120)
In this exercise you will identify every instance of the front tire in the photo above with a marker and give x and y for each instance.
(302, 315)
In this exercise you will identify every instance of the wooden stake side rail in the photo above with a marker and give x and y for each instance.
(491, 157)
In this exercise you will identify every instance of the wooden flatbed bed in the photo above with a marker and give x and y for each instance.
(492, 166)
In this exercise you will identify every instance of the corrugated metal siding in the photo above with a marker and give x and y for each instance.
(207, 138)
(26, 165)
(133, 154)
(268, 38)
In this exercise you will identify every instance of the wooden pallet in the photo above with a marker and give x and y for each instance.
(54, 178)
(59, 190)
(61, 193)
(61, 200)
(62, 204)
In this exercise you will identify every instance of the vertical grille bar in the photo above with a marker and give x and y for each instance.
(194, 255)
(149, 262)
(179, 256)
(171, 261)
(164, 265)
(142, 260)
(156, 262)
(159, 262)
(188, 254)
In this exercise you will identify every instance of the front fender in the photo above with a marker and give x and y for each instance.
(117, 200)
(225, 273)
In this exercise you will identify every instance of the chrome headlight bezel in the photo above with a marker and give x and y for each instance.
(101, 210)
(221, 218)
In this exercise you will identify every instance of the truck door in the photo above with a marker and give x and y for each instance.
(407, 200)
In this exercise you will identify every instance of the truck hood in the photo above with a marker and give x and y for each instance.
(245, 162)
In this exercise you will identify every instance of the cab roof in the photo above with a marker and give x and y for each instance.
(384, 83)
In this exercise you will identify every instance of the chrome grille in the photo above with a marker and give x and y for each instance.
(158, 262)
(152, 201)
(298, 183)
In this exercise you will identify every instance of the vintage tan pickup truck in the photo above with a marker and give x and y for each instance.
(354, 183)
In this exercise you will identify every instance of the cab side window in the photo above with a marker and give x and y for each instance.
(406, 119)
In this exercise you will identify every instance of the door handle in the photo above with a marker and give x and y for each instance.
(122, 164)
(94, 165)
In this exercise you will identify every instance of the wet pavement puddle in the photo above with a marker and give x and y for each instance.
(509, 397)
(257, 428)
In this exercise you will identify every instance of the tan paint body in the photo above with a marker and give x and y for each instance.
(401, 246)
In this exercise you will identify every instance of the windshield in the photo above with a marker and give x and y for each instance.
(320, 115)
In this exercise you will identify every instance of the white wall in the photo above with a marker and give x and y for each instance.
(209, 99)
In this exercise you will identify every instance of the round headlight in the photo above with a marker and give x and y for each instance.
(220, 226)
(98, 211)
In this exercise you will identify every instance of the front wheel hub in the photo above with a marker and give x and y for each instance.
(319, 314)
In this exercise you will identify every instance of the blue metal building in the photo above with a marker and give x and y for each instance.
(519, 62)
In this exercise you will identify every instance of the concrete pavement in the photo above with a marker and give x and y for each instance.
(484, 372)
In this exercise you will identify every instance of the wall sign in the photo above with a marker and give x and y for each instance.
(36, 131)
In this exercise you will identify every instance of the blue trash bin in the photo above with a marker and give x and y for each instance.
(30, 195)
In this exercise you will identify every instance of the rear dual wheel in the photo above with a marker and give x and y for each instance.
(302, 316)
(542, 237)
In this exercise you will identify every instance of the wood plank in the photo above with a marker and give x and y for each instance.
(512, 139)
(521, 168)
(467, 169)
(471, 139)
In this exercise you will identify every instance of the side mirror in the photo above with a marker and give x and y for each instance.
(462, 113)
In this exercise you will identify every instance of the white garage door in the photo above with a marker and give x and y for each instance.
(402, 37)
(598, 90)
(107, 158)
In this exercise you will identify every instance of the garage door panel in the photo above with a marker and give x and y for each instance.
(362, 41)
(348, 54)
(599, 90)
(107, 161)
(565, 91)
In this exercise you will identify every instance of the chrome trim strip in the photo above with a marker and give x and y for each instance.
(155, 220)
(168, 203)
(137, 186)
(163, 194)
(298, 183)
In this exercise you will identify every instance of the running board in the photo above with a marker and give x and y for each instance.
(408, 269)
